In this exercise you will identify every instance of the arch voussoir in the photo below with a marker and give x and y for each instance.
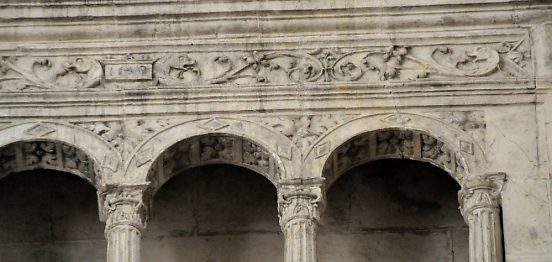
(57, 146)
(408, 136)
(211, 141)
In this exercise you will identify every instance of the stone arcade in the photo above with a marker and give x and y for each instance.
(129, 94)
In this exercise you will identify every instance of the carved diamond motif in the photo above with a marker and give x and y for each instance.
(466, 147)
(322, 149)
(284, 152)
(213, 124)
(40, 130)
(396, 119)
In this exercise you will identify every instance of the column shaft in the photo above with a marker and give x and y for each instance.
(126, 215)
(479, 203)
(299, 208)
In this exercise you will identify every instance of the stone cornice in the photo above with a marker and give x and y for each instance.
(101, 21)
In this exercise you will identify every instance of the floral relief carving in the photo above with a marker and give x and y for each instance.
(393, 143)
(126, 135)
(216, 147)
(49, 73)
(305, 130)
(255, 155)
(472, 122)
(44, 154)
(395, 62)
(213, 148)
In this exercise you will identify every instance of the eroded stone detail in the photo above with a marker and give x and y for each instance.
(472, 122)
(305, 130)
(299, 207)
(213, 148)
(479, 204)
(22, 156)
(393, 143)
(125, 136)
(125, 209)
(347, 64)
(49, 73)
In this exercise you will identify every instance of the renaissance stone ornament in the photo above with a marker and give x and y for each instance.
(129, 94)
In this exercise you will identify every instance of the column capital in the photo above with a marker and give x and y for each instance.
(300, 200)
(482, 191)
(124, 205)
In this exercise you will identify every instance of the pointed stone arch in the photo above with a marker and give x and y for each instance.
(57, 146)
(211, 141)
(402, 135)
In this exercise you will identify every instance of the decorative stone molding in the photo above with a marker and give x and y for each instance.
(303, 131)
(212, 149)
(126, 135)
(42, 154)
(393, 143)
(299, 207)
(125, 209)
(396, 62)
(17, 74)
(510, 58)
(480, 205)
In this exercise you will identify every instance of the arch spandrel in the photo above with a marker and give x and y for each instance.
(284, 155)
(72, 144)
(468, 154)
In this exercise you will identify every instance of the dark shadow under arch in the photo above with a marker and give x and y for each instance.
(49, 216)
(222, 212)
(393, 210)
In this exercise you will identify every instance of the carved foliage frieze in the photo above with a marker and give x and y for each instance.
(22, 156)
(396, 62)
(50, 73)
(366, 64)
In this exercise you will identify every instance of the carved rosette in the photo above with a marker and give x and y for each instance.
(299, 207)
(125, 209)
(479, 203)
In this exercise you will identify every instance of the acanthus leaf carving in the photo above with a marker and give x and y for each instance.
(305, 130)
(126, 205)
(49, 73)
(394, 62)
(126, 135)
(300, 200)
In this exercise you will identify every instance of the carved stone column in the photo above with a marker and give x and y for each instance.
(299, 207)
(480, 205)
(124, 208)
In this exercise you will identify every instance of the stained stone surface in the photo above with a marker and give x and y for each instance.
(127, 95)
